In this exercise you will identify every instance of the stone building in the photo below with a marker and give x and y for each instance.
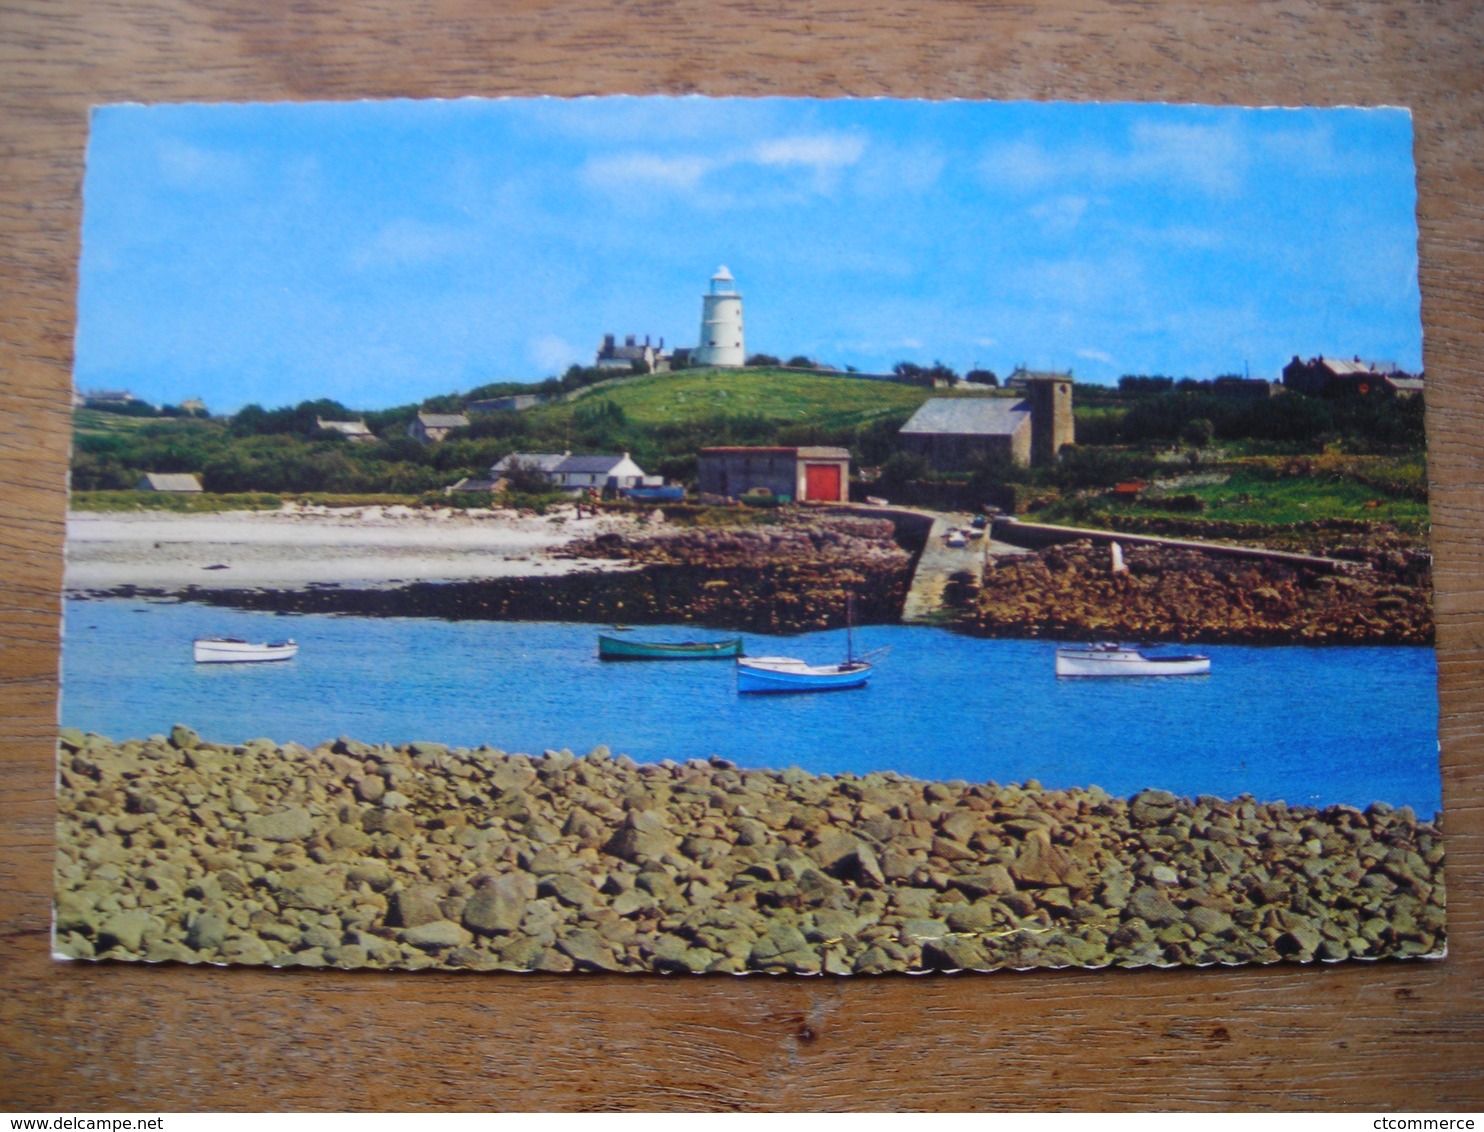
(354, 431)
(1341, 377)
(810, 474)
(623, 359)
(431, 428)
(954, 433)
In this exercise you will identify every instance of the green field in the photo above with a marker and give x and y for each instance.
(1248, 496)
(824, 400)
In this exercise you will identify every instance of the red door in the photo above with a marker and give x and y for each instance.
(822, 481)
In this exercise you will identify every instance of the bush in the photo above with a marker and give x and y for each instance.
(1182, 503)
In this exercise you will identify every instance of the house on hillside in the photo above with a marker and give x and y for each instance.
(187, 482)
(954, 433)
(354, 431)
(622, 359)
(1338, 377)
(109, 398)
(575, 473)
(431, 428)
(811, 474)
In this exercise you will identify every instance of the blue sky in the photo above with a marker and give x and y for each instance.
(382, 252)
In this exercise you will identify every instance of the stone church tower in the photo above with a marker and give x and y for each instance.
(1050, 399)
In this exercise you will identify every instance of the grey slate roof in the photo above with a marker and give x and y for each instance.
(443, 420)
(169, 481)
(968, 416)
(536, 461)
(589, 464)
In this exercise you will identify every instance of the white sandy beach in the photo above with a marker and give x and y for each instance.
(297, 547)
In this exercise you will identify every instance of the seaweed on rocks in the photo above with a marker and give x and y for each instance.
(792, 577)
(1069, 591)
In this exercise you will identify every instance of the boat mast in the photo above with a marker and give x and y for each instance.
(849, 629)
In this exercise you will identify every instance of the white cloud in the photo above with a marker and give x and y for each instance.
(412, 241)
(626, 170)
(552, 353)
(820, 151)
(1096, 356)
(1212, 158)
(1061, 214)
(822, 155)
(185, 166)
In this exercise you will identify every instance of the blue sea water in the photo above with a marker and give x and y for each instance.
(1310, 726)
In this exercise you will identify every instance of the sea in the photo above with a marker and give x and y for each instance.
(1308, 726)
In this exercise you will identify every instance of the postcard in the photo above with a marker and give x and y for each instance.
(791, 536)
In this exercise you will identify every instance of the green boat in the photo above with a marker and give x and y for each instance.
(616, 648)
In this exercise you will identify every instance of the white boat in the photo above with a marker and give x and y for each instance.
(789, 674)
(230, 650)
(1119, 660)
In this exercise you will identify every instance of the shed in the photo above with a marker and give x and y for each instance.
(953, 432)
(354, 431)
(812, 474)
(430, 428)
(169, 481)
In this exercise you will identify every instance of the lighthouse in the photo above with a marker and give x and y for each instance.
(721, 323)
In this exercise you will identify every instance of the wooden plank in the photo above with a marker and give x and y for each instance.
(1391, 1035)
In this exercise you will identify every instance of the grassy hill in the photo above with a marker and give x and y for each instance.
(828, 401)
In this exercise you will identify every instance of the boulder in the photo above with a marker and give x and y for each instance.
(415, 906)
(1153, 907)
(437, 935)
(292, 824)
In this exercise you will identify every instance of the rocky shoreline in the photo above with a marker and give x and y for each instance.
(792, 577)
(1070, 591)
(422, 856)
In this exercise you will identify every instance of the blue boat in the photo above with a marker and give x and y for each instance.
(670, 493)
(788, 674)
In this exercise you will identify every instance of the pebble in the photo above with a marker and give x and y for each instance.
(267, 854)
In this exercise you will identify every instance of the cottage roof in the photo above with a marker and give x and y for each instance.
(443, 420)
(588, 465)
(537, 461)
(968, 416)
(171, 481)
(347, 428)
(1342, 366)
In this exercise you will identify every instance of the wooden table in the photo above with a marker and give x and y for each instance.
(88, 1038)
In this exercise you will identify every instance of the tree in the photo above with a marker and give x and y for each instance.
(902, 468)
(763, 360)
(983, 377)
(1198, 432)
(526, 479)
(798, 361)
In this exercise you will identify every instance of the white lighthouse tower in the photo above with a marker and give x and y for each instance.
(721, 323)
